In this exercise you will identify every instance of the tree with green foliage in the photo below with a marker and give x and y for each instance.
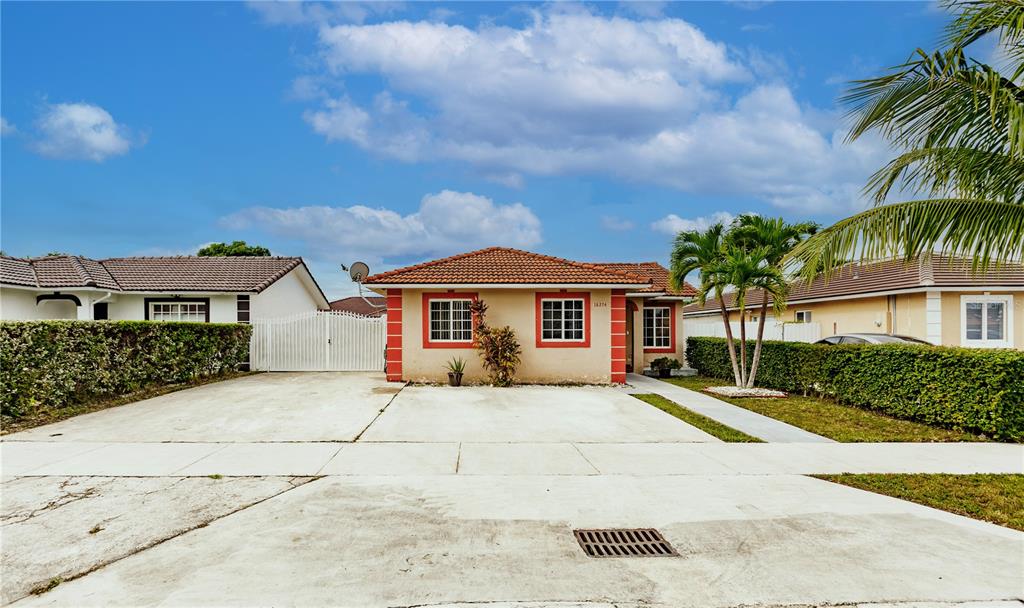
(959, 126)
(699, 251)
(774, 238)
(235, 249)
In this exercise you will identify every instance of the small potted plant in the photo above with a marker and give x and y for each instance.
(456, 366)
(665, 365)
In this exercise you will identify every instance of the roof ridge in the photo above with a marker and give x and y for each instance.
(83, 274)
(550, 258)
(450, 258)
(199, 257)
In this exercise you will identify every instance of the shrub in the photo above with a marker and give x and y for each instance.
(498, 347)
(976, 390)
(49, 365)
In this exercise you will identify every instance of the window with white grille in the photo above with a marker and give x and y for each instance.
(986, 321)
(451, 320)
(178, 311)
(657, 327)
(562, 320)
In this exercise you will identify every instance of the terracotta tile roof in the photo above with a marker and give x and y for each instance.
(892, 275)
(355, 304)
(502, 265)
(654, 271)
(182, 273)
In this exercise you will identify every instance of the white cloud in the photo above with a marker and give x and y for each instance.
(82, 131)
(616, 224)
(446, 222)
(653, 101)
(6, 128)
(755, 27)
(673, 224)
(293, 12)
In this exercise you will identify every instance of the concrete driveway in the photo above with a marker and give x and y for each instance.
(296, 489)
(261, 407)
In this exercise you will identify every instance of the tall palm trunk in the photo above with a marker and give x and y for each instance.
(743, 348)
(729, 341)
(757, 345)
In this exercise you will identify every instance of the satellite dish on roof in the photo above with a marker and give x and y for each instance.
(359, 271)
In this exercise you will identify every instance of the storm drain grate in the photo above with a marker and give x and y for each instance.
(624, 542)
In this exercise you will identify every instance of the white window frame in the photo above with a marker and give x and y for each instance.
(984, 342)
(802, 316)
(203, 312)
(451, 321)
(583, 321)
(668, 325)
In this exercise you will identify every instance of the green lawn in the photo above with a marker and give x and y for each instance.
(995, 498)
(709, 426)
(829, 419)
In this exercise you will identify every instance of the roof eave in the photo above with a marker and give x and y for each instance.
(504, 285)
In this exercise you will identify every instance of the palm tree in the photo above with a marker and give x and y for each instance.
(700, 251)
(747, 270)
(775, 238)
(959, 124)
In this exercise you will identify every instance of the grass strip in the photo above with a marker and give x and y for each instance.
(842, 423)
(708, 425)
(998, 499)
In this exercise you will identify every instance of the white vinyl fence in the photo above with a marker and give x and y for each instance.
(773, 330)
(318, 341)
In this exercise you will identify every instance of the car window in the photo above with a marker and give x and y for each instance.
(829, 340)
(852, 340)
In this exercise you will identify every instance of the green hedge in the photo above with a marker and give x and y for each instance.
(49, 365)
(977, 390)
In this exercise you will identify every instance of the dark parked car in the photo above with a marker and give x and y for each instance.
(870, 339)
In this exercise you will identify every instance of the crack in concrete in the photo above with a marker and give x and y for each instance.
(61, 501)
(294, 482)
(390, 401)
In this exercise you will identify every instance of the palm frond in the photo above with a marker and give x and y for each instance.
(983, 230)
(963, 172)
(940, 100)
(978, 19)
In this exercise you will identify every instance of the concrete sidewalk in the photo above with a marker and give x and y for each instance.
(751, 423)
(477, 458)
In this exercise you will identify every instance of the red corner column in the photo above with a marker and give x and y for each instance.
(393, 352)
(618, 336)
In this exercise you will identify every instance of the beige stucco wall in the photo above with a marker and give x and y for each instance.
(515, 308)
(951, 329)
(680, 346)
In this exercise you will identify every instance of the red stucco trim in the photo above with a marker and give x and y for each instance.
(393, 350)
(618, 337)
(425, 315)
(562, 295)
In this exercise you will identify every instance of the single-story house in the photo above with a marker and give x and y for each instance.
(934, 298)
(576, 321)
(183, 288)
(368, 306)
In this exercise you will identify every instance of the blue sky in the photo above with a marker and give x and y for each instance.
(395, 133)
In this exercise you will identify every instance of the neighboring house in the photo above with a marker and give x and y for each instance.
(575, 321)
(200, 289)
(369, 306)
(936, 299)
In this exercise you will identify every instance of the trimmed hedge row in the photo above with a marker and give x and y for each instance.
(48, 365)
(968, 389)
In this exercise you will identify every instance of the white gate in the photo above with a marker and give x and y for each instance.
(773, 330)
(318, 341)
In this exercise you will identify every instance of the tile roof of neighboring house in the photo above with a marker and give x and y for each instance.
(654, 271)
(502, 265)
(182, 273)
(891, 275)
(370, 306)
